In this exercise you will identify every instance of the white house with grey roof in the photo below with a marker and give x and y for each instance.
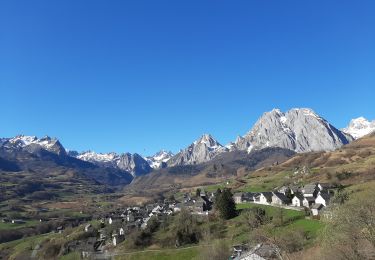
(297, 200)
(322, 198)
(279, 199)
(310, 190)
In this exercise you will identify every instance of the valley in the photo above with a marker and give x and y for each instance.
(57, 204)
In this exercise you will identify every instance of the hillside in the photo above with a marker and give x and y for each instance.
(351, 164)
(24, 174)
(223, 167)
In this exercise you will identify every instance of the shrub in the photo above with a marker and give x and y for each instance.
(42, 195)
(254, 217)
(185, 229)
(344, 175)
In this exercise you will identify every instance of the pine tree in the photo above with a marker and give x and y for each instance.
(225, 205)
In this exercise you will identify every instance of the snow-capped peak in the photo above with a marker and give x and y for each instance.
(91, 156)
(47, 143)
(359, 127)
(133, 163)
(157, 160)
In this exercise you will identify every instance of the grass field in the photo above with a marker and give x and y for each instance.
(165, 254)
(309, 225)
(293, 220)
(6, 226)
(272, 211)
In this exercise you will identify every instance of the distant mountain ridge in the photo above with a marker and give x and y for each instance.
(133, 163)
(50, 144)
(299, 130)
(34, 158)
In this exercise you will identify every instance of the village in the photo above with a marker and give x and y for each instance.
(314, 197)
(115, 226)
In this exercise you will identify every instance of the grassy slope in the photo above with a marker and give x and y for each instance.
(293, 219)
(8, 226)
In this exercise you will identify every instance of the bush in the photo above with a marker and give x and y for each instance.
(140, 239)
(153, 224)
(254, 217)
(51, 251)
(344, 175)
(42, 195)
(185, 228)
(9, 235)
(350, 234)
(292, 240)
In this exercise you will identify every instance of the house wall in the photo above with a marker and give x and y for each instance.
(276, 200)
(320, 200)
(306, 203)
(237, 200)
(263, 199)
(315, 212)
(296, 202)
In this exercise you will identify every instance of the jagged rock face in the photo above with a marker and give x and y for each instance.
(133, 163)
(33, 144)
(359, 127)
(300, 130)
(202, 150)
(160, 159)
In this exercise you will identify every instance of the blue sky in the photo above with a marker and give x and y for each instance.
(140, 76)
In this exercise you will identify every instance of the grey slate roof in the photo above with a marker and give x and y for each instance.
(281, 196)
(299, 196)
(310, 188)
(267, 194)
(325, 196)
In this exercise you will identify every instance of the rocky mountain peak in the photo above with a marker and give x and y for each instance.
(133, 163)
(202, 150)
(299, 129)
(208, 141)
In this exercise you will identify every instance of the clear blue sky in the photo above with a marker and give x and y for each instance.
(140, 76)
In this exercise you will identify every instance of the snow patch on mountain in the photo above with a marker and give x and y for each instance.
(91, 156)
(133, 163)
(359, 127)
(47, 143)
(159, 159)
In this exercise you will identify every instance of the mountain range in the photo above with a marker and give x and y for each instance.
(299, 130)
